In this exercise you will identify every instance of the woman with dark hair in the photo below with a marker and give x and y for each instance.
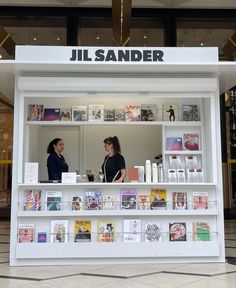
(113, 166)
(56, 162)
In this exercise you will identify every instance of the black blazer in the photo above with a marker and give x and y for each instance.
(56, 165)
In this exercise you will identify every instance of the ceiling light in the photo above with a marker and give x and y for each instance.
(0, 56)
(58, 38)
(144, 36)
(202, 44)
(98, 37)
(34, 38)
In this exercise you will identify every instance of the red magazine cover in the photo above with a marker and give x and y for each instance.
(191, 141)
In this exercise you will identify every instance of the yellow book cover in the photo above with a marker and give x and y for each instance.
(106, 231)
(82, 231)
(158, 199)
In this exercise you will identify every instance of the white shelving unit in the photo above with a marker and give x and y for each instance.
(139, 83)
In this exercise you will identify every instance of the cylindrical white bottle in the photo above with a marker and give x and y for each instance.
(160, 173)
(154, 173)
(148, 172)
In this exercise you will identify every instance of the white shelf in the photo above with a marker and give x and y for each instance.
(117, 213)
(183, 152)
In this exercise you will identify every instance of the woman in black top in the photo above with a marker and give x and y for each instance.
(113, 166)
(56, 162)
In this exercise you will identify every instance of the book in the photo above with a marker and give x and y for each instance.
(53, 201)
(26, 233)
(143, 202)
(77, 203)
(96, 112)
(42, 237)
(201, 231)
(170, 112)
(32, 200)
(133, 174)
(51, 114)
(174, 143)
(132, 112)
(65, 114)
(132, 230)
(82, 231)
(119, 115)
(174, 162)
(109, 114)
(109, 202)
(59, 231)
(80, 113)
(200, 200)
(190, 112)
(140, 173)
(148, 112)
(35, 112)
(93, 200)
(152, 232)
(191, 162)
(177, 231)
(158, 199)
(179, 200)
(106, 231)
(191, 141)
(128, 199)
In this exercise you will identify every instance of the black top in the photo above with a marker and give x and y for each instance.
(113, 165)
(56, 165)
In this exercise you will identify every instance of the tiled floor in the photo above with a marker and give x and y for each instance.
(222, 275)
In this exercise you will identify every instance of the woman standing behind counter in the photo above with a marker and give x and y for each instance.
(113, 166)
(56, 162)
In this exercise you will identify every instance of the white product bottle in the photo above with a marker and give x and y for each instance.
(154, 173)
(160, 173)
(148, 172)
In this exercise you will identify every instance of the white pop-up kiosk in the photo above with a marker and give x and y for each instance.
(64, 77)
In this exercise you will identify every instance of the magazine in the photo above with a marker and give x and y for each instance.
(96, 113)
(53, 201)
(65, 114)
(109, 115)
(179, 200)
(79, 113)
(191, 141)
(82, 231)
(174, 143)
(35, 112)
(132, 112)
(143, 202)
(106, 231)
(158, 199)
(119, 115)
(51, 114)
(26, 233)
(170, 112)
(177, 231)
(128, 199)
(109, 202)
(200, 200)
(59, 231)
(32, 200)
(201, 231)
(152, 232)
(77, 203)
(93, 200)
(42, 237)
(148, 112)
(190, 112)
(132, 230)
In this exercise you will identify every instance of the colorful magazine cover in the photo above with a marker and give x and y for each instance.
(191, 141)
(109, 114)
(32, 200)
(190, 112)
(109, 202)
(77, 203)
(35, 112)
(174, 143)
(42, 237)
(152, 232)
(96, 112)
(179, 200)
(128, 199)
(119, 115)
(170, 112)
(26, 233)
(200, 200)
(177, 232)
(201, 231)
(59, 231)
(53, 201)
(93, 200)
(143, 202)
(158, 199)
(106, 232)
(132, 112)
(65, 114)
(148, 112)
(51, 114)
(132, 230)
(82, 231)
(80, 113)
